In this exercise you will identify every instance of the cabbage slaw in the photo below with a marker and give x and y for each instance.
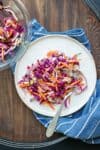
(51, 78)
(11, 31)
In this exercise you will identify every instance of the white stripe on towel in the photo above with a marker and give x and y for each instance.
(87, 41)
(34, 21)
(91, 103)
(63, 123)
(71, 34)
(71, 126)
(92, 141)
(40, 29)
(88, 119)
(38, 33)
(47, 123)
(93, 131)
(40, 118)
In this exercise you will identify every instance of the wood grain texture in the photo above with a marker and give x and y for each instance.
(16, 121)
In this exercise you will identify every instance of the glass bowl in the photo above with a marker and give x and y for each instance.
(23, 17)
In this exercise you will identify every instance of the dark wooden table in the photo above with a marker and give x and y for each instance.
(16, 121)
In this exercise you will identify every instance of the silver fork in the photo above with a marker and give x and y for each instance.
(51, 128)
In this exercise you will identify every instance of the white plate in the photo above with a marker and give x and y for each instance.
(37, 50)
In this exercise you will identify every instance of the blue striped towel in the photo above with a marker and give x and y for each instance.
(85, 123)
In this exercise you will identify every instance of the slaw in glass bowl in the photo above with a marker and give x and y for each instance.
(20, 17)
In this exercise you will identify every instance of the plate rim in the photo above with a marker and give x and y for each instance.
(69, 38)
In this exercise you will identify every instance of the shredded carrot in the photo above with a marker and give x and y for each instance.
(49, 104)
(75, 83)
(24, 85)
(52, 52)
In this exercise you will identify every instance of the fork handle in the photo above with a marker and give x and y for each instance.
(51, 128)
